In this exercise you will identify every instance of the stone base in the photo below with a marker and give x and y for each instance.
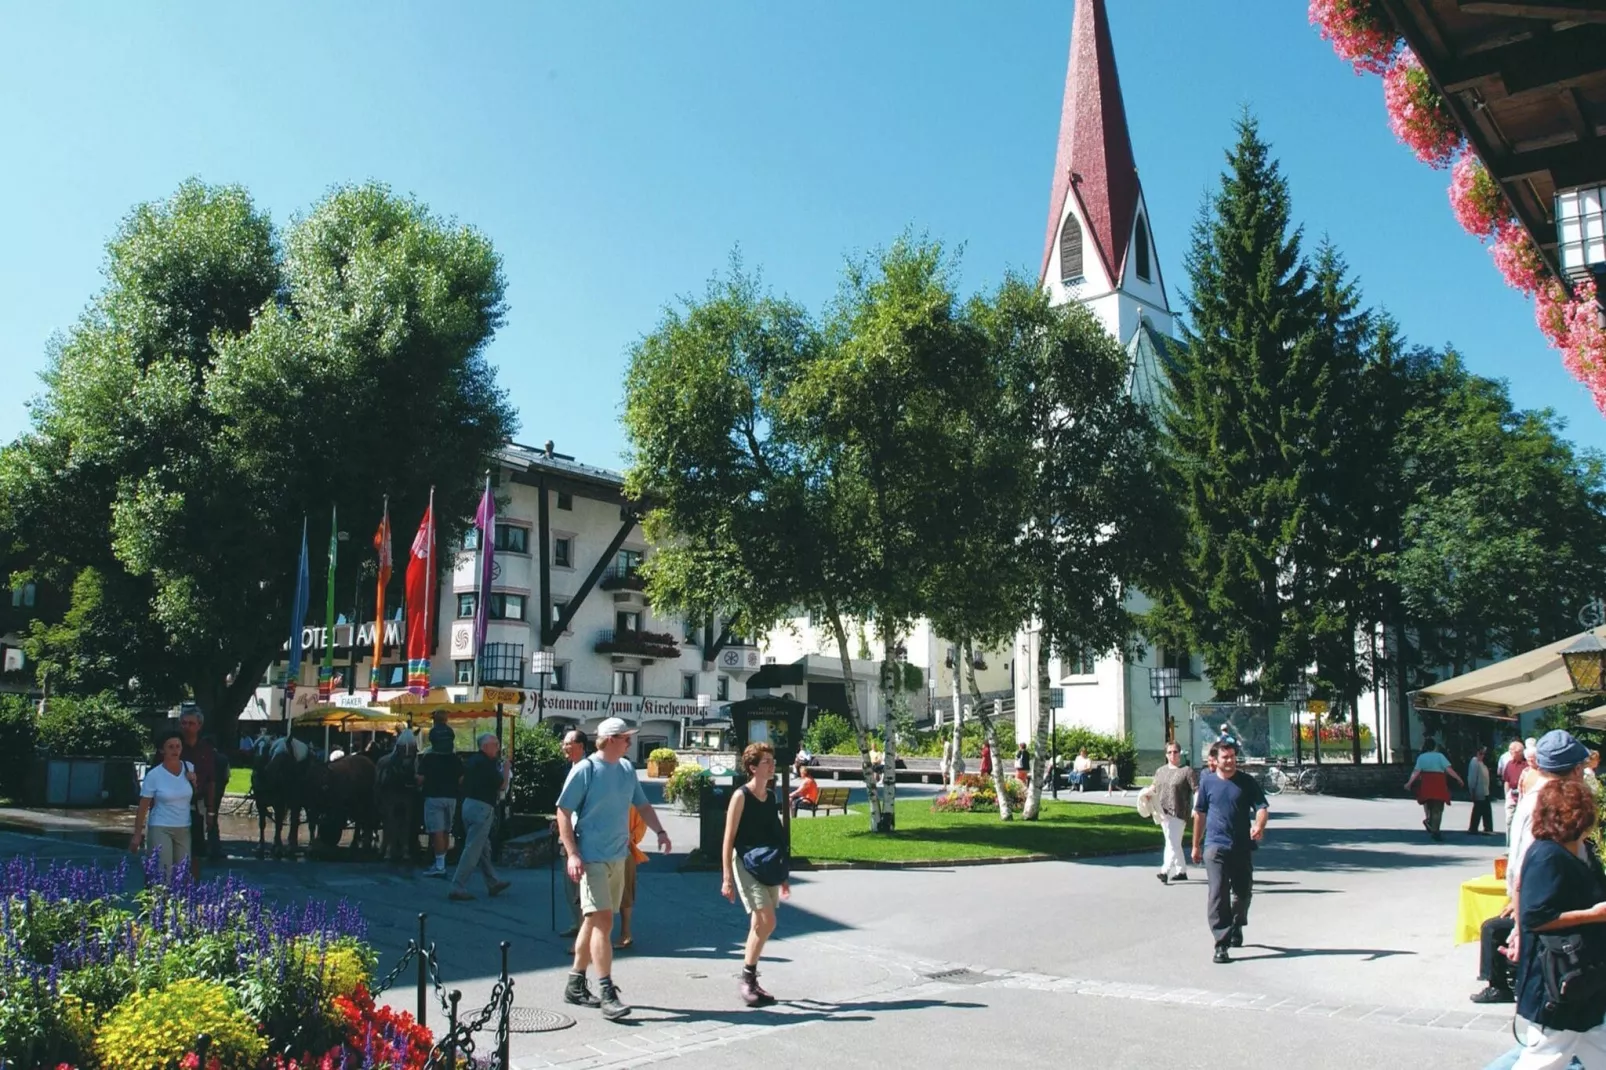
(530, 850)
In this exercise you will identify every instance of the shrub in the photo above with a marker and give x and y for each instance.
(663, 754)
(685, 786)
(827, 732)
(94, 727)
(150, 1028)
(18, 740)
(1117, 749)
(539, 769)
(41, 1027)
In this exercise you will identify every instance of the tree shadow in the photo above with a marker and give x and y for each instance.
(796, 1012)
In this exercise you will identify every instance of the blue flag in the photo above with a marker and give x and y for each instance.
(298, 609)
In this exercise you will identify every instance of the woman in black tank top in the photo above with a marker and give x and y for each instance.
(754, 820)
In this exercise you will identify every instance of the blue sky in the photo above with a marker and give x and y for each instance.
(617, 152)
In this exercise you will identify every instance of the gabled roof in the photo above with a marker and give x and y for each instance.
(1094, 145)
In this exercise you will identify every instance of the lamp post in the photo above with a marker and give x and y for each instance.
(1586, 663)
(541, 665)
(703, 702)
(1298, 695)
(1165, 684)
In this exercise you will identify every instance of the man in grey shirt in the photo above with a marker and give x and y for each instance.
(1174, 787)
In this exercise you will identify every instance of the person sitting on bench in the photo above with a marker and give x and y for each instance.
(1080, 769)
(807, 794)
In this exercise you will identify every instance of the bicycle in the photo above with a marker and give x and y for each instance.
(1305, 779)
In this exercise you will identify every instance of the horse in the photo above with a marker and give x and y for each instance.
(281, 772)
(342, 792)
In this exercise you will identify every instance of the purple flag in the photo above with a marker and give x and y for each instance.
(485, 520)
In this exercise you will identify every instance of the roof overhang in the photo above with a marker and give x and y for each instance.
(1526, 80)
(1506, 689)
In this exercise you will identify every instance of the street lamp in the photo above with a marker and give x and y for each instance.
(541, 665)
(1581, 231)
(1298, 695)
(1165, 684)
(1586, 663)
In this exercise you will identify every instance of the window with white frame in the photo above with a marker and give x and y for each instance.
(463, 671)
(627, 681)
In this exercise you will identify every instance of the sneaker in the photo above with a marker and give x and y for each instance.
(438, 874)
(613, 1008)
(1180, 877)
(460, 896)
(499, 887)
(1163, 878)
(1494, 995)
(579, 993)
(1221, 955)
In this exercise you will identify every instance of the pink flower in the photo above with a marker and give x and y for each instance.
(1475, 197)
(1518, 258)
(1418, 114)
(1360, 32)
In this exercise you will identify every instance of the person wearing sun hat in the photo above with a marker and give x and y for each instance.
(594, 828)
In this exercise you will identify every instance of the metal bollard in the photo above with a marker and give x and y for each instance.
(423, 970)
(451, 1030)
(203, 1048)
(503, 1059)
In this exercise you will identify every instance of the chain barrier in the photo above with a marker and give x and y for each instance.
(434, 967)
(457, 1043)
(395, 972)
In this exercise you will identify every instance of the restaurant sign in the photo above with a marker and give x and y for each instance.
(581, 705)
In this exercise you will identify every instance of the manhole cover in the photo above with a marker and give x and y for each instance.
(536, 1020)
(959, 977)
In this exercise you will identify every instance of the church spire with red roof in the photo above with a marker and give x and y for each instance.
(1094, 162)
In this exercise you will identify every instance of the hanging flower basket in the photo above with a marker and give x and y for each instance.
(1518, 258)
(1361, 33)
(1475, 197)
(1418, 114)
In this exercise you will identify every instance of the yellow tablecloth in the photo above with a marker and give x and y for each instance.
(1481, 899)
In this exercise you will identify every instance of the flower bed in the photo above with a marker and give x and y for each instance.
(95, 976)
(976, 794)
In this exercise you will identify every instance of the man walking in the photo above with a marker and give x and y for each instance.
(594, 826)
(485, 780)
(1174, 788)
(395, 783)
(1229, 821)
(439, 771)
(203, 758)
(1513, 766)
(574, 749)
(1478, 791)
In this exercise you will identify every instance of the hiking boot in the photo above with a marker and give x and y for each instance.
(613, 1008)
(1494, 995)
(751, 994)
(579, 993)
(1221, 954)
(765, 996)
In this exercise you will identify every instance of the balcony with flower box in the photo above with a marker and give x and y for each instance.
(628, 585)
(637, 648)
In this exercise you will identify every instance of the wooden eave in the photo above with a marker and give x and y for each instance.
(1526, 79)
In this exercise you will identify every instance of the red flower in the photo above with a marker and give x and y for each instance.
(393, 1037)
(1360, 32)
(1418, 114)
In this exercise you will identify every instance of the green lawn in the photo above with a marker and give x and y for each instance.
(240, 781)
(1065, 830)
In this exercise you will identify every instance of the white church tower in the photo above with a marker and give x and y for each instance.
(1099, 250)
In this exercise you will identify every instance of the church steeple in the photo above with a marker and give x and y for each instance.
(1098, 248)
(1095, 150)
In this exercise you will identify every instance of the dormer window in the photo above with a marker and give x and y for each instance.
(1071, 250)
(1140, 247)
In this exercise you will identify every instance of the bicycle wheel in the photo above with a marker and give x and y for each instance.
(1310, 781)
(1271, 781)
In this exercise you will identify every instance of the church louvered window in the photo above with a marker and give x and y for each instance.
(1070, 250)
(1140, 247)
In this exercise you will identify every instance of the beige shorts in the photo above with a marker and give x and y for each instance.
(171, 844)
(754, 894)
(438, 814)
(602, 887)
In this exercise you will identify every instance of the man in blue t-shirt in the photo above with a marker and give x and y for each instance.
(1229, 820)
(594, 827)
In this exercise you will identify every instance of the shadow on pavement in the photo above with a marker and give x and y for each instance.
(1366, 954)
(805, 1010)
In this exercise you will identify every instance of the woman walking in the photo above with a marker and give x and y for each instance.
(1431, 778)
(1563, 894)
(165, 799)
(1023, 765)
(755, 862)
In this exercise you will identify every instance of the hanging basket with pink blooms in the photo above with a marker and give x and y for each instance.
(1518, 259)
(1583, 342)
(1475, 197)
(1417, 112)
(1361, 33)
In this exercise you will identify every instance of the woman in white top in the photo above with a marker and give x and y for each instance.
(165, 799)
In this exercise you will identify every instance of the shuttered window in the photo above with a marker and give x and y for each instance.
(1140, 246)
(1070, 250)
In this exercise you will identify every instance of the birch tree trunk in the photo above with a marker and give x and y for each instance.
(859, 733)
(990, 729)
(1034, 791)
(959, 714)
(891, 687)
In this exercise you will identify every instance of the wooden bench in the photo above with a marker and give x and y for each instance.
(830, 799)
(910, 770)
